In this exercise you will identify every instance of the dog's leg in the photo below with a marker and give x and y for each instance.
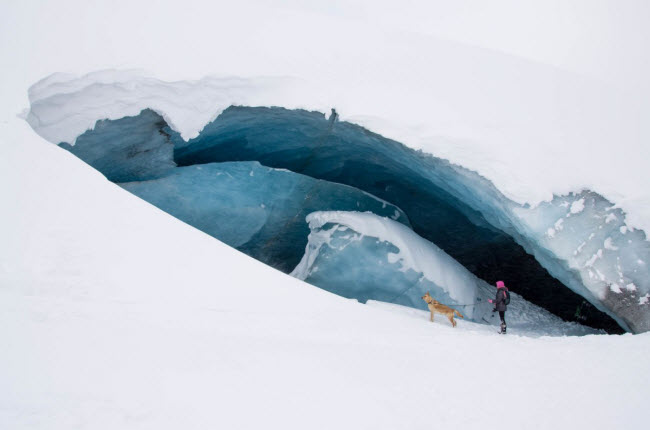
(451, 320)
(431, 319)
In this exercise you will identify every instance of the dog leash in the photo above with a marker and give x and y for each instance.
(469, 304)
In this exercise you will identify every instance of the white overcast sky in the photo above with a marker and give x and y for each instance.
(607, 40)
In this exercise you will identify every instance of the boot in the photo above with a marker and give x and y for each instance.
(503, 328)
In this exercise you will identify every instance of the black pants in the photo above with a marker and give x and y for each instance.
(502, 315)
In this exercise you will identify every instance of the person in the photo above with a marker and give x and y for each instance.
(500, 304)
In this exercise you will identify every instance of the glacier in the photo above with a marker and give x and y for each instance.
(459, 210)
(256, 209)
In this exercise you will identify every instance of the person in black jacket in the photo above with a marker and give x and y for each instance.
(500, 304)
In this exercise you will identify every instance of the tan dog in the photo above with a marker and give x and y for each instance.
(436, 306)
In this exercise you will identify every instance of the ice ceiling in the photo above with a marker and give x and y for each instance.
(254, 174)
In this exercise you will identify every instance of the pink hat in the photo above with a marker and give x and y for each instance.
(500, 284)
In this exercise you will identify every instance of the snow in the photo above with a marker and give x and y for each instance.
(577, 207)
(115, 315)
(608, 244)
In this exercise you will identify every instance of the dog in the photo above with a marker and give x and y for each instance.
(436, 306)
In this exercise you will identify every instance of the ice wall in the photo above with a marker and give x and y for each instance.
(368, 257)
(256, 209)
(585, 237)
(128, 149)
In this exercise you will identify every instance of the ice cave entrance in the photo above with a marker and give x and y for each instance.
(254, 174)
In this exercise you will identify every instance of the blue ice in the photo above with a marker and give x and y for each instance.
(128, 149)
(257, 209)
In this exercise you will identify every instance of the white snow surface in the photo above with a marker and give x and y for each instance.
(115, 315)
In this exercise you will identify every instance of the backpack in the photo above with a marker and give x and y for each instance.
(507, 298)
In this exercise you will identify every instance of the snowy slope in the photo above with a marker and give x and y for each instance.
(115, 315)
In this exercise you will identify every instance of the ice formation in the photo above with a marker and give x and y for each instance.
(128, 149)
(541, 249)
(586, 236)
(256, 209)
(368, 257)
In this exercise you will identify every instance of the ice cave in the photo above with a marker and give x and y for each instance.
(368, 218)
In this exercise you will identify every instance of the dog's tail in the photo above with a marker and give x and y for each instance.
(459, 314)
